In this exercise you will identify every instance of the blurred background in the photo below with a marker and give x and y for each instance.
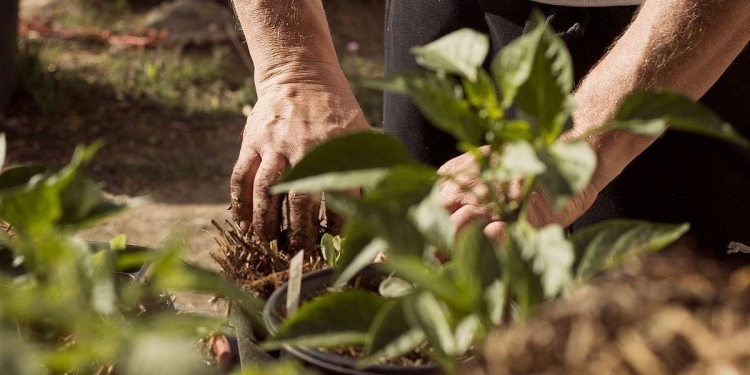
(167, 85)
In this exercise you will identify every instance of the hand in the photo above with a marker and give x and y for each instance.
(467, 199)
(291, 116)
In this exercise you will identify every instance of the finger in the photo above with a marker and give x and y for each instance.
(241, 187)
(495, 231)
(468, 214)
(266, 207)
(457, 194)
(304, 210)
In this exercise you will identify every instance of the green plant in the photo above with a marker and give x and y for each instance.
(452, 305)
(65, 308)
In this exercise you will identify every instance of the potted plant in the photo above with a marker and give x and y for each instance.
(446, 288)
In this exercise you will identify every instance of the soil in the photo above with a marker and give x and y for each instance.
(680, 311)
(181, 160)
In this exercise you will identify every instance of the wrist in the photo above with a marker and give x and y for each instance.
(322, 75)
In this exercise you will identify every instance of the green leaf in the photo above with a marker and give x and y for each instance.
(503, 131)
(440, 101)
(434, 222)
(570, 166)
(651, 112)
(319, 321)
(335, 181)
(413, 270)
(518, 160)
(357, 252)
(606, 245)
(384, 208)
(3, 150)
(365, 150)
(466, 332)
(402, 188)
(482, 94)
(538, 263)
(427, 313)
(18, 357)
(394, 287)
(460, 52)
(158, 354)
(104, 294)
(390, 335)
(33, 208)
(476, 263)
(537, 71)
(330, 246)
(119, 242)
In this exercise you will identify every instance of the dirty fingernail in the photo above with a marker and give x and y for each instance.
(244, 226)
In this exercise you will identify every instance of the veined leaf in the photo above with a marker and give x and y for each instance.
(482, 94)
(319, 322)
(536, 71)
(402, 188)
(365, 150)
(334, 181)
(361, 260)
(400, 234)
(477, 264)
(651, 112)
(394, 287)
(606, 245)
(509, 131)
(570, 166)
(466, 332)
(538, 263)
(434, 319)
(413, 270)
(433, 221)
(518, 160)
(460, 52)
(390, 335)
(440, 101)
(357, 251)
(330, 246)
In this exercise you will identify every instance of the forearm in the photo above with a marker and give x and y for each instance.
(288, 40)
(676, 45)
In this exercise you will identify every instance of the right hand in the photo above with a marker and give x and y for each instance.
(293, 114)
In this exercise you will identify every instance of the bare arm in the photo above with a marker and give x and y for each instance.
(286, 38)
(677, 45)
(303, 99)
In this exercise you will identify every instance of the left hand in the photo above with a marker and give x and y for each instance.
(463, 194)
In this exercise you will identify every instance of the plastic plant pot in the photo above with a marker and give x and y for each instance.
(312, 284)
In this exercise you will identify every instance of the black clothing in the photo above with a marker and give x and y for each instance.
(680, 178)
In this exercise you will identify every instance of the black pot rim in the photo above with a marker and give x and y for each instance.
(326, 360)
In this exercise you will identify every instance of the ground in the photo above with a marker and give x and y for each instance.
(170, 116)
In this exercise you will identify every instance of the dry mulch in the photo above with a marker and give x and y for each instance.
(674, 312)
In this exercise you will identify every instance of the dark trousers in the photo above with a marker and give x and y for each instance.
(8, 39)
(680, 178)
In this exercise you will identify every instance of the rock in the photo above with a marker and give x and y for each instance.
(194, 22)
